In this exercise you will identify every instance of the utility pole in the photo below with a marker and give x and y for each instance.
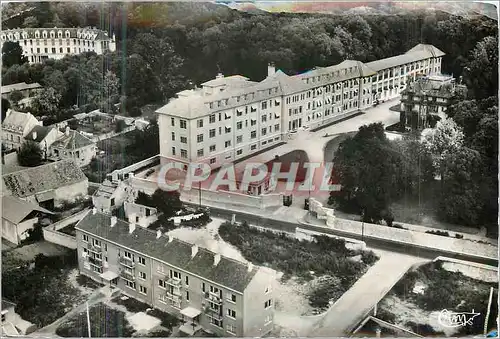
(88, 319)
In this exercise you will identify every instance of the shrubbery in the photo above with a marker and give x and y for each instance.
(326, 256)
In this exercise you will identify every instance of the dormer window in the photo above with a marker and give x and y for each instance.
(67, 34)
(3, 37)
(211, 105)
(16, 35)
(37, 34)
(25, 35)
(52, 34)
(59, 34)
(9, 36)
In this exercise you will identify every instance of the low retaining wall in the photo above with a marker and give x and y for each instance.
(350, 244)
(473, 270)
(51, 233)
(446, 245)
(233, 198)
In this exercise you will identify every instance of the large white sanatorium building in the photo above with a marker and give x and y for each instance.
(233, 117)
(39, 44)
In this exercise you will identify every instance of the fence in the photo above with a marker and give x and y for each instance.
(52, 234)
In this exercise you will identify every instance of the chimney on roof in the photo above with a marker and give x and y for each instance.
(219, 76)
(67, 131)
(378, 332)
(34, 135)
(194, 251)
(217, 257)
(131, 227)
(113, 221)
(158, 234)
(250, 267)
(271, 69)
(8, 112)
(94, 211)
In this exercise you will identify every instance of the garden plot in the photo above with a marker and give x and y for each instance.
(417, 299)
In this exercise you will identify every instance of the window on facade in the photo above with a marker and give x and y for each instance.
(142, 275)
(85, 237)
(173, 136)
(211, 119)
(143, 289)
(183, 124)
(268, 303)
(213, 161)
(172, 121)
(184, 140)
(231, 328)
(96, 243)
(253, 134)
(239, 139)
(231, 297)
(212, 148)
(199, 137)
(173, 150)
(239, 152)
(239, 125)
(211, 133)
(175, 275)
(184, 153)
(187, 295)
(200, 152)
(227, 143)
(264, 105)
(200, 123)
(263, 131)
(231, 313)
(253, 147)
(264, 118)
(130, 284)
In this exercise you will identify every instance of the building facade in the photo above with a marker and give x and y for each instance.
(229, 118)
(205, 289)
(15, 127)
(73, 145)
(425, 101)
(39, 44)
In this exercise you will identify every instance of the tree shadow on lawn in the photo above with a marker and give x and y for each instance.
(168, 321)
(105, 322)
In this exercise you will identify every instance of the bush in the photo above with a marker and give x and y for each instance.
(202, 221)
(441, 233)
(85, 281)
(369, 257)
(132, 305)
(30, 154)
(459, 236)
(167, 320)
(35, 234)
(386, 316)
(398, 226)
(424, 330)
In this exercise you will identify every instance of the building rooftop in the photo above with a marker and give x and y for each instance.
(228, 272)
(38, 133)
(419, 52)
(233, 80)
(15, 209)
(442, 86)
(88, 33)
(16, 121)
(75, 140)
(43, 178)
(20, 86)
(106, 189)
(7, 304)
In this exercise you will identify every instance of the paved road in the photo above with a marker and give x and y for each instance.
(357, 302)
(381, 244)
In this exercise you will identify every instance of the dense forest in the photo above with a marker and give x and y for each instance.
(166, 47)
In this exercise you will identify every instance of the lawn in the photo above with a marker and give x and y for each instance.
(325, 257)
(105, 322)
(134, 306)
(437, 290)
(43, 293)
(95, 124)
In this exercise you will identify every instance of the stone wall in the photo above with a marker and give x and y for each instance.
(322, 213)
(51, 233)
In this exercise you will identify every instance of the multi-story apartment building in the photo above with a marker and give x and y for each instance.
(39, 44)
(205, 289)
(426, 100)
(229, 118)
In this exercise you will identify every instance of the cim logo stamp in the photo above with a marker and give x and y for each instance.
(456, 319)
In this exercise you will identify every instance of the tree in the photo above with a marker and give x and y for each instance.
(15, 96)
(461, 201)
(30, 22)
(442, 141)
(12, 54)
(30, 154)
(167, 202)
(5, 108)
(120, 125)
(146, 142)
(367, 166)
(47, 102)
(482, 69)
